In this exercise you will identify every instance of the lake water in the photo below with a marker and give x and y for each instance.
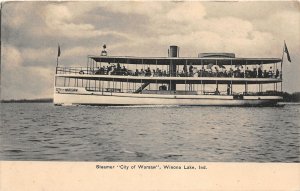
(41, 131)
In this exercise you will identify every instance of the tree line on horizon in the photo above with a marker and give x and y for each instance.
(294, 97)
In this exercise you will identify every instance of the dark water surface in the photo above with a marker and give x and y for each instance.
(41, 131)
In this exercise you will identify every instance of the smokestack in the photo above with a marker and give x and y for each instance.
(174, 51)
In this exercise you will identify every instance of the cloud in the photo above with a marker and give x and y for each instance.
(11, 57)
(287, 25)
(60, 19)
(186, 11)
(131, 7)
(64, 19)
(187, 24)
(27, 82)
(31, 31)
(31, 54)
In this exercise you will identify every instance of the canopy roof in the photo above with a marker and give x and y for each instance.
(183, 60)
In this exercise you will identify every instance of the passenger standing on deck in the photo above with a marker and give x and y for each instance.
(270, 73)
(153, 73)
(237, 72)
(185, 70)
(118, 69)
(136, 72)
(124, 71)
(228, 89)
(191, 70)
(217, 92)
(277, 73)
(108, 69)
(230, 72)
(259, 72)
(254, 73)
(148, 72)
(142, 73)
(247, 72)
(242, 72)
(216, 74)
(265, 74)
(164, 73)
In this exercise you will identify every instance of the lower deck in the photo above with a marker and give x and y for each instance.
(81, 96)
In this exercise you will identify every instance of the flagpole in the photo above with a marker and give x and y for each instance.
(58, 54)
(281, 65)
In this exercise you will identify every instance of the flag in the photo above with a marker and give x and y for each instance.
(58, 51)
(287, 52)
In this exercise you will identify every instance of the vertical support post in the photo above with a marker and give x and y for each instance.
(217, 87)
(102, 86)
(87, 65)
(93, 62)
(156, 76)
(186, 72)
(202, 90)
(245, 69)
(127, 85)
(99, 84)
(230, 66)
(113, 86)
(217, 65)
(231, 88)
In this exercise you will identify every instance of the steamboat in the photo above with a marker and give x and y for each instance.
(209, 79)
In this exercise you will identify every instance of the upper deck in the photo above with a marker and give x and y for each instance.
(206, 68)
(184, 60)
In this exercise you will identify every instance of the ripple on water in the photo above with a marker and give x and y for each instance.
(150, 133)
(13, 151)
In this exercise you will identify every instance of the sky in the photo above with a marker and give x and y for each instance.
(31, 31)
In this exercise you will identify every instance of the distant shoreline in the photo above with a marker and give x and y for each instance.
(44, 100)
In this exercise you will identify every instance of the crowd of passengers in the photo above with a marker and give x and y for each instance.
(213, 71)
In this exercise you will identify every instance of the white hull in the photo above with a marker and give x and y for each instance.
(83, 97)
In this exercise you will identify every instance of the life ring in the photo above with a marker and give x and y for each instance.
(81, 72)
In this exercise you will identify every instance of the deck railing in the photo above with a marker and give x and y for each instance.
(74, 70)
(200, 73)
(183, 92)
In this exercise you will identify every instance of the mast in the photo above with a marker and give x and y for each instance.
(281, 67)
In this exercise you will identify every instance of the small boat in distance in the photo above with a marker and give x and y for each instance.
(211, 79)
